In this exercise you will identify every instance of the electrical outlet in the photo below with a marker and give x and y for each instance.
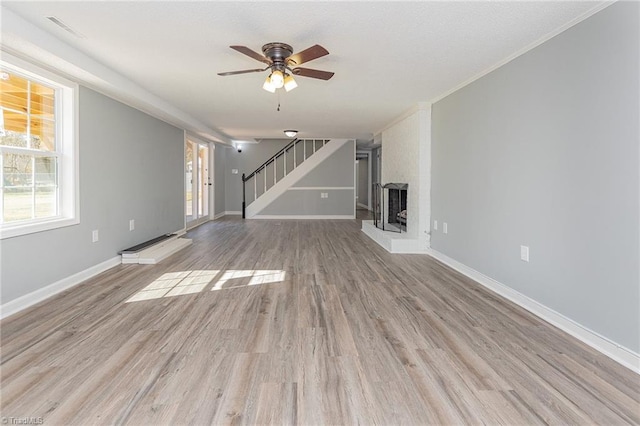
(132, 225)
(94, 236)
(234, 171)
(324, 195)
(435, 225)
(445, 228)
(524, 253)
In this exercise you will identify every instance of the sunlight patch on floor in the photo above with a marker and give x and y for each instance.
(189, 282)
(175, 284)
(253, 277)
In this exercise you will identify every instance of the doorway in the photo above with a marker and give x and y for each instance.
(198, 181)
(363, 184)
(363, 179)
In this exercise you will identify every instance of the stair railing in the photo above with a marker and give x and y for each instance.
(261, 171)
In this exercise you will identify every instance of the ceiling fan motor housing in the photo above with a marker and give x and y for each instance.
(277, 52)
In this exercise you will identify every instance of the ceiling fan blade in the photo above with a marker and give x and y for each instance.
(314, 52)
(308, 72)
(242, 72)
(252, 54)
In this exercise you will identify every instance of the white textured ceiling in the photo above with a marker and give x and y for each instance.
(387, 56)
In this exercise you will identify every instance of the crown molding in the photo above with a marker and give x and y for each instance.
(543, 39)
(420, 106)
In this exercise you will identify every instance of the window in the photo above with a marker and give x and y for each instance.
(38, 151)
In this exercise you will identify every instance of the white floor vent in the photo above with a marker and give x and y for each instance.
(155, 252)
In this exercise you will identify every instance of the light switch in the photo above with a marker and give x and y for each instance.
(94, 236)
(524, 253)
(435, 225)
(444, 228)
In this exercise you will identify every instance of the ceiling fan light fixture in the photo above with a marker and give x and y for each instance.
(291, 133)
(268, 86)
(289, 83)
(280, 59)
(277, 79)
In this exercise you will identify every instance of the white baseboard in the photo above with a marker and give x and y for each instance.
(618, 353)
(363, 206)
(23, 302)
(319, 188)
(285, 217)
(227, 213)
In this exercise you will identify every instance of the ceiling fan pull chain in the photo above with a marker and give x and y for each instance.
(278, 101)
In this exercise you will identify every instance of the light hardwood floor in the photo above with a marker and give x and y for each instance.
(299, 322)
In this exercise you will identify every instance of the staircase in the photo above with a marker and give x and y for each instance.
(282, 170)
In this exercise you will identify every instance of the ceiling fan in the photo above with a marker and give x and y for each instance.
(283, 64)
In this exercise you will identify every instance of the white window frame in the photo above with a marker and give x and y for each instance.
(66, 127)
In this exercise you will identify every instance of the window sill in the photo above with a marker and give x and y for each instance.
(33, 227)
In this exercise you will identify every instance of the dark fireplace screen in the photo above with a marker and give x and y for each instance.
(390, 206)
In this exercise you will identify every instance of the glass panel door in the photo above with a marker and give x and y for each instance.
(189, 180)
(198, 185)
(204, 181)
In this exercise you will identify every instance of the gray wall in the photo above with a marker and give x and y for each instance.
(337, 171)
(219, 178)
(544, 152)
(251, 157)
(131, 167)
(308, 203)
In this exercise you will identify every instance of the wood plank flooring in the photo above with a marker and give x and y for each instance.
(299, 322)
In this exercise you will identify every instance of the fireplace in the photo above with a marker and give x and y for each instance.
(390, 207)
(397, 205)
